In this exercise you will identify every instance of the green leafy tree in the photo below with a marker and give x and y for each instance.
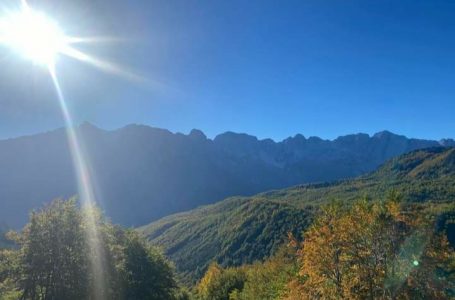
(52, 259)
(53, 254)
(144, 271)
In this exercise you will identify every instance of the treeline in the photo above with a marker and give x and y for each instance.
(53, 258)
(368, 250)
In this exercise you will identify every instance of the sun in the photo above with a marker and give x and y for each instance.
(39, 39)
(33, 35)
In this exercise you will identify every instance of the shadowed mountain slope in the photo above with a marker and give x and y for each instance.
(143, 173)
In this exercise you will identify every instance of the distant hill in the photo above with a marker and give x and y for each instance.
(241, 230)
(145, 173)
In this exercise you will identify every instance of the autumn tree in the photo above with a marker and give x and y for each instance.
(372, 250)
(219, 283)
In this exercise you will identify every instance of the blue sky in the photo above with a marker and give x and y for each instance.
(268, 68)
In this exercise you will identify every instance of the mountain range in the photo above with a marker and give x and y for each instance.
(143, 173)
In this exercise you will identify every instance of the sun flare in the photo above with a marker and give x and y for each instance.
(38, 38)
(33, 35)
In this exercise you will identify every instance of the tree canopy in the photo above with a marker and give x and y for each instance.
(51, 259)
(364, 250)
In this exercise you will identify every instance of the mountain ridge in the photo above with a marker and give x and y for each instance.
(195, 131)
(144, 173)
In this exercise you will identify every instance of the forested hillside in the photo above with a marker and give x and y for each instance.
(244, 229)
(382, 250)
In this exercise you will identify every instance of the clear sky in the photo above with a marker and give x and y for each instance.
(268, 68)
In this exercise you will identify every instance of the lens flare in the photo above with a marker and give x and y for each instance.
(407, 259)
(86, 194)
(38, 38)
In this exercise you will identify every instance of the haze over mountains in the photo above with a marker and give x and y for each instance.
(145, 173)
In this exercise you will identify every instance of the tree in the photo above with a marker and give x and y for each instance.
(52, 259)
(53, 254)
(269, 279)
(144, 271)
(219, 283)
(373, 250)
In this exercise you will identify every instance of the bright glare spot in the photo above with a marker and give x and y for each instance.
(38, 38)
(33, 35)
(415, 263)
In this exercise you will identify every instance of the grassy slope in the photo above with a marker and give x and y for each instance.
(243, 229)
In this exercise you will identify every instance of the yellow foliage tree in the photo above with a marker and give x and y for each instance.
(372, 250)
(212, 273)
(220, 284)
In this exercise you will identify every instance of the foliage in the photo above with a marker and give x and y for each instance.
(144, 271)
(374, 250)
(52, 260)
(233, 233)
(268, 280)
(4, 242)
(219, 283)
(367, 250)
